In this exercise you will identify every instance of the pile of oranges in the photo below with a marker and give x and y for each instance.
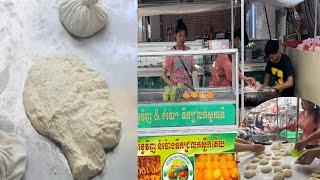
(198, 95)
(216, 167)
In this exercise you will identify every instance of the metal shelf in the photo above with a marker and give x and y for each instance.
(155, 96)
(190, 52)
(157, 72)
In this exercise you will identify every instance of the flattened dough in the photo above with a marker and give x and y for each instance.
(263, 162)
(69, 103)
(251, 166)
(13, 156)
(255, 160)
(277, 169)
(278, 176)
(265, 169)
(286, 166)
(276, 158)
(249, 173)
(287, 173)
(276, 163)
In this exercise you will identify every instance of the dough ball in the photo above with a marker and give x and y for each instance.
(276, 158)
(287, 173)
(277, 169)
(251, 166)
(70, 103)
(286, 166)
(267, 158)
(268, 154)
(276, 146)
(278, 154)
(249, 173)
(278, 176)
(255, 160)
(263, 162)
(265, 169)
(82, 18)
(315, 175)
(276, 163)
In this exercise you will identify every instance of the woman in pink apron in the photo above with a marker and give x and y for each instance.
(180, 67)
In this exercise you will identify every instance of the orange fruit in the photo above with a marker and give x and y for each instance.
(208, 174)
(234, 173)
(223, 158)
(209, 157)
(186, 96)
(215, 157)
(202, 157)
(208, 165)
(200, 165)
(199, 174)
(223, 165)
(202, 96)
(230, 157)
(215, 164)
(194, 95)
(231, 164)
(210, 95)
(226, 174)
(217, 174)
(221, 178)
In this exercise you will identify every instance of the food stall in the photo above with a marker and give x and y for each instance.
(306, 65)
(182, 130)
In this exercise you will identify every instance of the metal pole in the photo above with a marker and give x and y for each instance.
(297, 116)
(242, 58)
(237, 89)
(277, 112)
(232, 24)
(315, 23)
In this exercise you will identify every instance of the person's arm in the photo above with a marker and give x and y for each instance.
(166, 66)
(285, 85)
(303, 143)
(307, 157)
(239, 140)
(257, 148)
(266, 80)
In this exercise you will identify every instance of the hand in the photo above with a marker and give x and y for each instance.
(257, 148)
(250, 81)
(300, 145)
(307, 157)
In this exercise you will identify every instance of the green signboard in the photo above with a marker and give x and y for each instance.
(184, 156)
(185, 114)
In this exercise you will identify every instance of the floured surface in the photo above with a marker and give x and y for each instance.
(30, 30)
(298, 171)
(72, 108)
(13, 156)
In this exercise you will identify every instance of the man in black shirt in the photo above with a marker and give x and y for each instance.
(280, 67)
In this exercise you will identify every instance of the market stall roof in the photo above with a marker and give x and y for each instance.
(156, 7)
(280, 3)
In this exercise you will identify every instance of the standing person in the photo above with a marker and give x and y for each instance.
(280, 67)
(308, 120)
(180, 67)
(221, 74)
